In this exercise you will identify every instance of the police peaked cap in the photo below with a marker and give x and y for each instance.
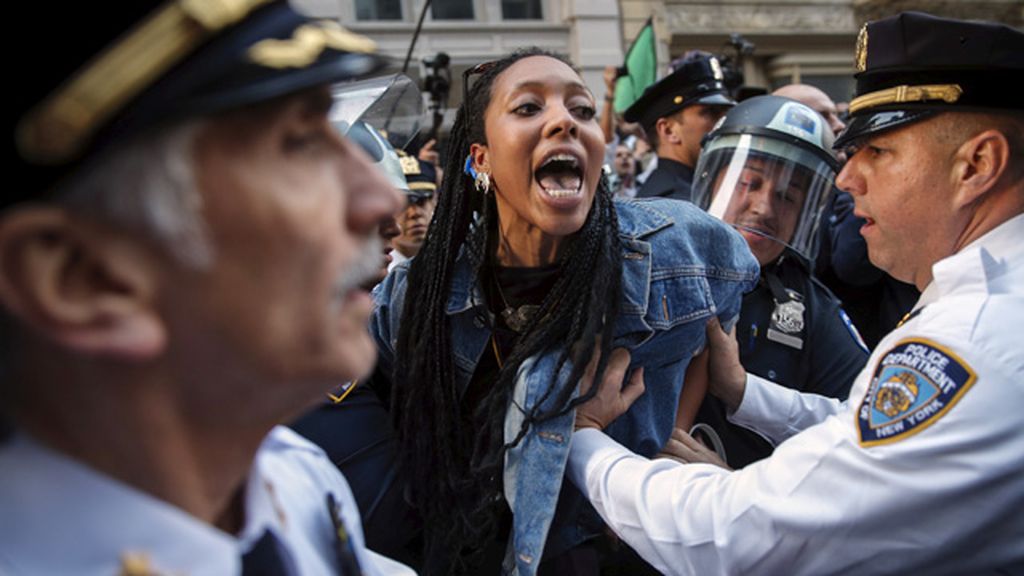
(88, 79)
(420, 174)
(914, 65)
(699, 81)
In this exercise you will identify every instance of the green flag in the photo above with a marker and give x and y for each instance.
(641, 68)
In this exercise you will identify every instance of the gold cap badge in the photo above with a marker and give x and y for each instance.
(410, 166)
(861, 55)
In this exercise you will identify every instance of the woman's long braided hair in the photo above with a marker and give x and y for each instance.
(455, 462)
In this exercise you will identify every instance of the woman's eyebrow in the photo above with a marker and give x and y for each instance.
(540, 84)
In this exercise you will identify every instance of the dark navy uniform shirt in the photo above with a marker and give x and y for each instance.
(670, 179)
(831, 356)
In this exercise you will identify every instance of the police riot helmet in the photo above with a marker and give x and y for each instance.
(380, 115)
(768, 170)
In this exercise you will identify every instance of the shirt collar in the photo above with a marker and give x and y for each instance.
(979, 263)
(54, 502)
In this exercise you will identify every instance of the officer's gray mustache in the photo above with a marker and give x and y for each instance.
(363, 270)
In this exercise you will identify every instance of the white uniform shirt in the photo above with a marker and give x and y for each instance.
(59, 517)
(922, 472)
(396, 259)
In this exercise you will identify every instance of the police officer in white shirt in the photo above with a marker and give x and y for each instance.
(920, 470)
(183, 237)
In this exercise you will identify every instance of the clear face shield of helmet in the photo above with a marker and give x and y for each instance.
(392, 104)
(773, 192)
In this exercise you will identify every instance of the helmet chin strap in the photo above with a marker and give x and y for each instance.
(792, 252)
(764, 235)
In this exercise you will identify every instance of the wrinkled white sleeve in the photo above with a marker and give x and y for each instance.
(777, 412)
(874, 487)
(821, 504)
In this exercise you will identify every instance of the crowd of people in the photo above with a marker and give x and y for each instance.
(239, 336)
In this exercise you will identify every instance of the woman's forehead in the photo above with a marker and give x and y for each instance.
(538, 72)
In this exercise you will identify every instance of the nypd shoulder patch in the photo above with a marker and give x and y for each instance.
(915, 384)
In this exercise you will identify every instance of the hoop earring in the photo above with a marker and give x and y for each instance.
(482, 182)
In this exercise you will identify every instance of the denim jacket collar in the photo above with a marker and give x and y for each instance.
(634, 225)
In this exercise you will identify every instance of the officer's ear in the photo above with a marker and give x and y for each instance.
(978, 164)
(79, 284)
(665, 127)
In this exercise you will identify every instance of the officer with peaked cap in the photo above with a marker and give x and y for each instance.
(676, 113)
(919, 471)
(415, 219)
(182, 243)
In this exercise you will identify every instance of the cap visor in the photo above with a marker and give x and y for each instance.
(716, 99)
(871, 123)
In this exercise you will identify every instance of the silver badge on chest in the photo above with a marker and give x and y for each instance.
(788, 317)
(787, 323)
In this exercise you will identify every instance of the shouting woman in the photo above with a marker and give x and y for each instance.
(530, 271)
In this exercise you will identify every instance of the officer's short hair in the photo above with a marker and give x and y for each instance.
(147, 185)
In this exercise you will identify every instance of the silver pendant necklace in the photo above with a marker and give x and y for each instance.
(517, 318)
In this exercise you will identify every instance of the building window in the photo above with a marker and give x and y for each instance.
(378, 9)
(521, 10)
(452, 9)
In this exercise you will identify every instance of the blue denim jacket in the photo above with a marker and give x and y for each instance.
(680, 267)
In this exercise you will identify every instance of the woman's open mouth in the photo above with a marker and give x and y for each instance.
(560, 176)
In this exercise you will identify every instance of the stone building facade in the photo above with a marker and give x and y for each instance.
(808, 41)
(474, 31)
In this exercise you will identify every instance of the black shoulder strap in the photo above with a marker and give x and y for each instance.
(779, 292)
